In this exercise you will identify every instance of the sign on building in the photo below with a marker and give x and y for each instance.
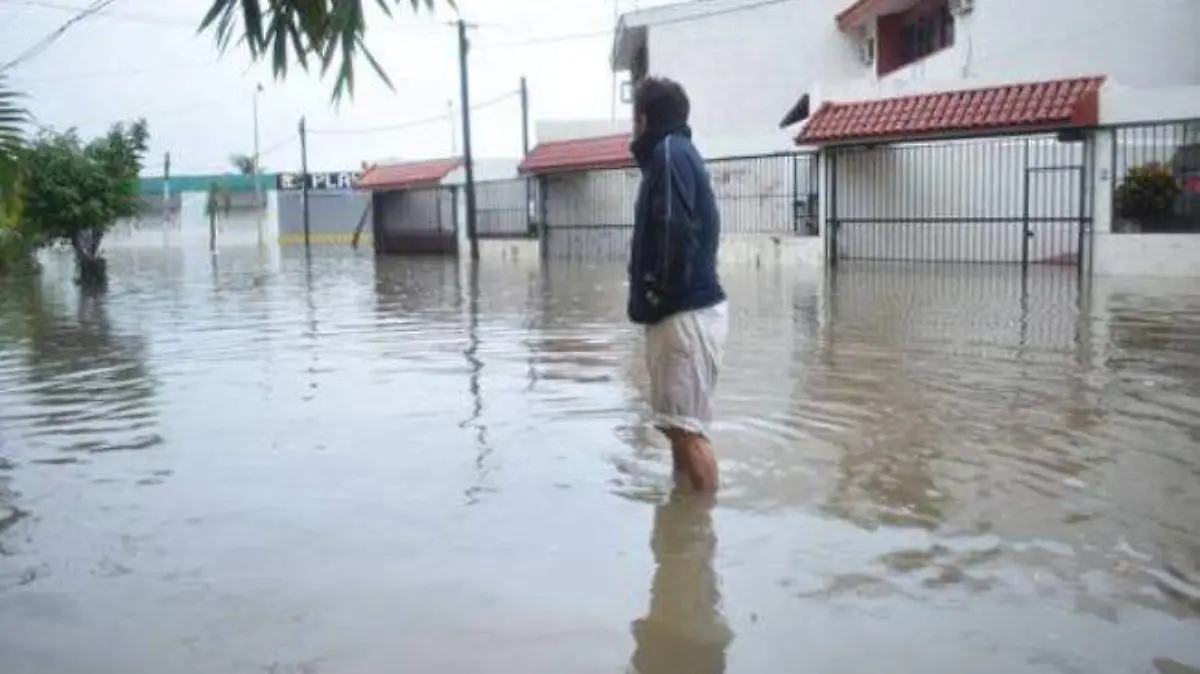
(335, 180)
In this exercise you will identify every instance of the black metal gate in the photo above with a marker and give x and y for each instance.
(1019, 200)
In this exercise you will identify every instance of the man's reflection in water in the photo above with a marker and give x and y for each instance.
(684, 631)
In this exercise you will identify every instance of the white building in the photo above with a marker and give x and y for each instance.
(969, 130)
(746, 63)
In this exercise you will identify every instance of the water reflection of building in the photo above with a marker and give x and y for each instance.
(581, 334)
(936, 371)
(683, 630)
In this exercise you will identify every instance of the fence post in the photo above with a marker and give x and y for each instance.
(543, 189)
(795, 193)
(831, 198)
(1026, 233)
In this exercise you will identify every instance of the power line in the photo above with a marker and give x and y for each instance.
(54, 35)
(411, 123)
(685, 18)
(118, 15)
(96, 74)
(277, 146)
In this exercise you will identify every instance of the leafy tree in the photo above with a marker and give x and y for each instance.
(313, 33)
(75, 191)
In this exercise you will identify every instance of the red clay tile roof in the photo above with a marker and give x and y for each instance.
(579, 154)
(408, 174)
(1034, 106)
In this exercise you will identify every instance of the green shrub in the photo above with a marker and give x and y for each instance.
(1148, 192)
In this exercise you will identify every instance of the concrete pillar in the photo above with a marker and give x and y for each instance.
(1103, 182)
(823, 204)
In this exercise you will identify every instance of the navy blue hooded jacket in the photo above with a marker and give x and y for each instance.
(677, 228)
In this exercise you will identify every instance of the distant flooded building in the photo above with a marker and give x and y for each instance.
(335, 207)
(586, 187)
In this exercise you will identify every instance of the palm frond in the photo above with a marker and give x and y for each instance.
(304, 32)
(13, 119)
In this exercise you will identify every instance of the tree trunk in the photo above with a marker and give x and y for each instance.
(92, 270)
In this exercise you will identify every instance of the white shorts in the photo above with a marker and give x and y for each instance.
(683, 354)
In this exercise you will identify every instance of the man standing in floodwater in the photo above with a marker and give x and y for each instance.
(674, 289)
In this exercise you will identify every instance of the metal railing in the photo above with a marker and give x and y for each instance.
(1156, 177)
(505, 208)
(1017, 199)
(757, 194)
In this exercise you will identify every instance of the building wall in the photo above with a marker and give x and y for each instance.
(1139, 45)
(1163, 255)
(417, 221)
(187, 224)
(333, 215)
(798, 48)
(741, 88)
(554, 130)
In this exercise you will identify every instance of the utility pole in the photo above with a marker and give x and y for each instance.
(524, 118)
(258, 192)
(468, 159)
(166, 194)
(613, 87)
(304, 181)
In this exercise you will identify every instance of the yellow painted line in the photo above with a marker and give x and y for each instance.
(325, 238)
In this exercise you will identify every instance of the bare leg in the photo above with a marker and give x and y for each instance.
(692, 456)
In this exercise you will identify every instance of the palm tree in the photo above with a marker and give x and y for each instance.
(12, 140)
(313, 33)
(12, 134)
(217, 203)
(244, 164)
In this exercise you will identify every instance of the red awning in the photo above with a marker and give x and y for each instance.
(579, 154)
(408, 175)
(863, 11)
(1030, 107)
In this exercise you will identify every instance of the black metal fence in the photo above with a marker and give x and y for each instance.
(1021, 199)
(1156, 177)
(506, 208)
(589, 215)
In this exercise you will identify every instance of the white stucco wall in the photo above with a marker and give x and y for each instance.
(188, 228)
(1140, 45)
(485, 169)
(1165, 255)
(554, 130)
(798, 48)
(742, 86)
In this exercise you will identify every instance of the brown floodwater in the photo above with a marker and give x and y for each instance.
(362, 466)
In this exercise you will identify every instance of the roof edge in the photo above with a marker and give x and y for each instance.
(1085, 113)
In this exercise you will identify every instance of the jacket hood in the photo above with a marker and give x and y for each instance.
(643, 146)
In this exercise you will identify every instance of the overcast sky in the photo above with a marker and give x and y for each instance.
(144, 58)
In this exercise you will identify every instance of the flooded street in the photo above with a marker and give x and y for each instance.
(372, 466)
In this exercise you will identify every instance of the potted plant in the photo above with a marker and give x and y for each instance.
(1147, 196)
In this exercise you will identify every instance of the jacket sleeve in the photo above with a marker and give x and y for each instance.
(672, 196)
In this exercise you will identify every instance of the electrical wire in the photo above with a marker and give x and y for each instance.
(97, 74)
(277, 146)
(411, 123)
(53, 36)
